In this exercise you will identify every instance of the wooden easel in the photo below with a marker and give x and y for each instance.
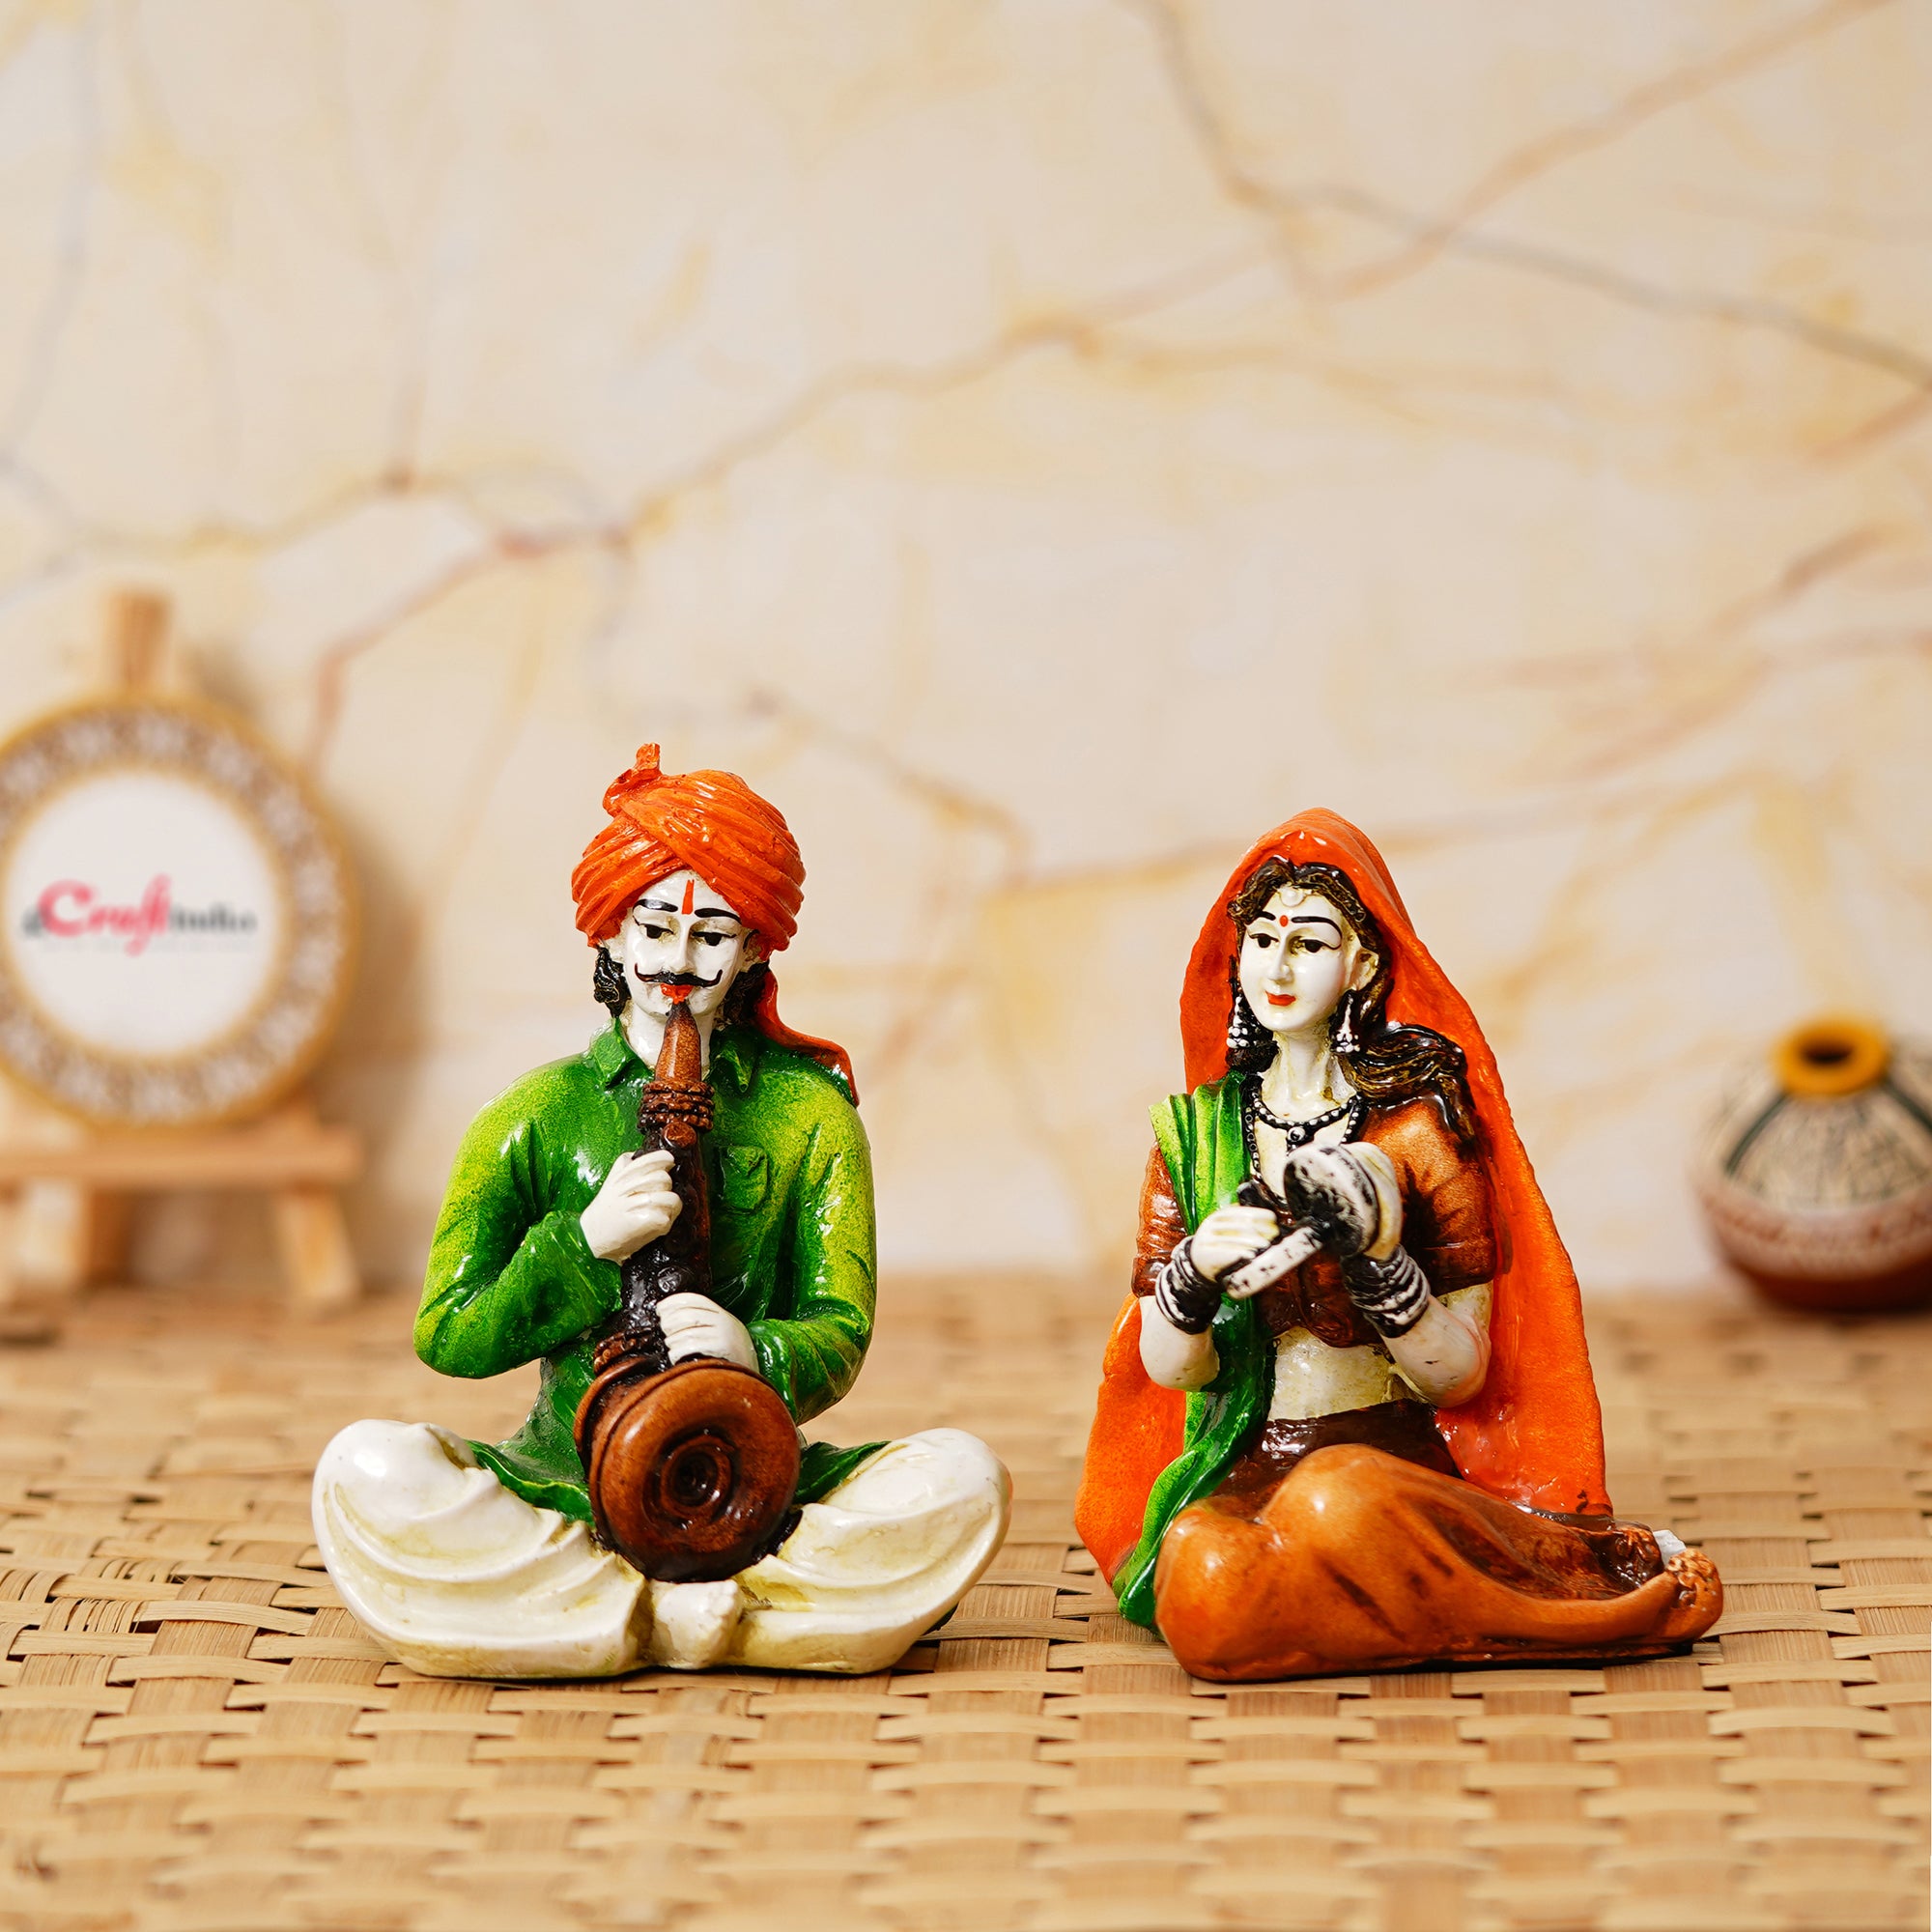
(66, 1186)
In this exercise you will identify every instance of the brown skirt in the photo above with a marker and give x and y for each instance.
(1349, 1541)
(1404, 1429)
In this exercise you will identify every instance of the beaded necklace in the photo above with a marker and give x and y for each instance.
(1298, 1133)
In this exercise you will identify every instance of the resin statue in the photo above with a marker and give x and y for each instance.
(1347, 1419)
(677, 1225)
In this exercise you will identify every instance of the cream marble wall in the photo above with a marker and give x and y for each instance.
(1040, 445)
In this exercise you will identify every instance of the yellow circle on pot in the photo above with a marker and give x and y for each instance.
(1825, 1059)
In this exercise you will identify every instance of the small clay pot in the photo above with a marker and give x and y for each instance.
(1816, 1175)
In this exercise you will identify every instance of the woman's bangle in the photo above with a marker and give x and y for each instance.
(1184, 1294)
(1393, 1295)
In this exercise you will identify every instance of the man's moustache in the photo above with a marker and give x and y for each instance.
(695, 980)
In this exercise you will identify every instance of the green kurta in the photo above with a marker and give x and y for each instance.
(1199, 1139)
(512, 1279)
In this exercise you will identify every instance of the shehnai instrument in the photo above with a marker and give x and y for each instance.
(692, 1467)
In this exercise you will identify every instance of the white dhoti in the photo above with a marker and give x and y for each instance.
(458, 1576)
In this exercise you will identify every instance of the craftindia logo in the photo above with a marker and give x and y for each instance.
(72, 909)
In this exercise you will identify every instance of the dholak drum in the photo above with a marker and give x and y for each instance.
(690, 1471)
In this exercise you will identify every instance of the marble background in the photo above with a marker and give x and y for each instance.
(1040, 445)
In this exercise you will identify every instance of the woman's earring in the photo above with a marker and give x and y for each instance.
(1347, 1037)
(1245, 1034)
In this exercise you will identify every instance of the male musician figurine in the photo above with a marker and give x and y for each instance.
(471, 1560)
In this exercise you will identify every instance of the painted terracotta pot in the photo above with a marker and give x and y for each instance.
(1816, 1175)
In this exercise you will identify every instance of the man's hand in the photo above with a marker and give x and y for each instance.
(694, 1324)
(636, 1204)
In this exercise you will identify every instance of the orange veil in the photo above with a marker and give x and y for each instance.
(1534, 1434)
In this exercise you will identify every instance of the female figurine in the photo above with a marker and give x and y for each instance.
(733, 1252)
(1347, 1418)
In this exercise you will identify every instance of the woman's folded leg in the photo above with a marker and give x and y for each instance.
(1361, 1560)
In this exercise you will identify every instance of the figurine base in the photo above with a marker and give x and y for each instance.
(1447, 1660)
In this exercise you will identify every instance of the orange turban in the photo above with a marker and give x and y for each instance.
(717, 826)
(712, 822)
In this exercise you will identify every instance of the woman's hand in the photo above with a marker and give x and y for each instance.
(636, 1204)
(1348, 1194)
(1187, 1290)
(1230, 1237)
(694, 1324)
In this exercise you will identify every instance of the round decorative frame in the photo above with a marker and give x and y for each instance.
(268, 1048)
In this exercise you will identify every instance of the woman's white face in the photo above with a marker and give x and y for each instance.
(1298, 957)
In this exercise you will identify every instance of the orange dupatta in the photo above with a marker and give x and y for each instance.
(1534, 1433)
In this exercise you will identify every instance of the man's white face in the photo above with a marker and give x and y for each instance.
(682, 932)
(1298, 957)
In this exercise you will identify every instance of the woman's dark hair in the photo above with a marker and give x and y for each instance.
(609, 988)
(1384, 1062)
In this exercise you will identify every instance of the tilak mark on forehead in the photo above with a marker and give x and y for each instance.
(1291, 896)
(703, 912)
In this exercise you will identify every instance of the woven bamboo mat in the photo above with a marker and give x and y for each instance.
(193, 1736)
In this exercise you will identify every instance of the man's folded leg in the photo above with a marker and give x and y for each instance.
(879, 1560)
(457, 1577)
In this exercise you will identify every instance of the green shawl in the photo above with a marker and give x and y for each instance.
(1199, 1139)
